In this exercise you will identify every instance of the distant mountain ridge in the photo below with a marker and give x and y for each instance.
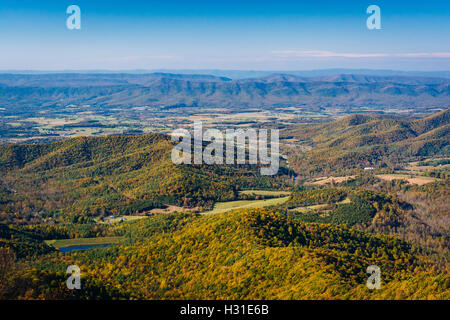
(352, 78)
(161, 89)
(83, 80)
(244, 74)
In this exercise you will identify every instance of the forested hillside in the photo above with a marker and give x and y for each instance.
(359, 141)
(87, 177)
(245, 254)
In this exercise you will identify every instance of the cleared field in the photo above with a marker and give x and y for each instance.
(121, 219)
(319, 206)
(173, 209)
(127, 218)
(410, 179)
(231, 205)
(416, 165)
(265, 193)
(82, 242)
(325, 180)
(309, 208)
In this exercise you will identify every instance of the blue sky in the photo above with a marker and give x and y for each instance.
(226, 34)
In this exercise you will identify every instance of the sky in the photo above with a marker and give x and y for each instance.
(225, 34)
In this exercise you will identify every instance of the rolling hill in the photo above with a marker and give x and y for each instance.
(245, 254)
(359, 141)
(84, 177)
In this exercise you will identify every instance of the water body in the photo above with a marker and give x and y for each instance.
(85, 247)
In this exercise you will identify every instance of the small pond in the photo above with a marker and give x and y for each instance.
(85, 247)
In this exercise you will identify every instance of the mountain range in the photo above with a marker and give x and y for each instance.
(275, 90)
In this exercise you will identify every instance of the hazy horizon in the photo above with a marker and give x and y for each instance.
(246, 74)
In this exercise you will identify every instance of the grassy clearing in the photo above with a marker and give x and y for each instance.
(82, 242)
(415, 165)
(221, 207)
(119, 219)
(319, 206)
(409, 178)
(310, 208)
(265, 193)
(325, 180)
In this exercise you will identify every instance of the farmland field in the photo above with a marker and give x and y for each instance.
(58, 244)
(221, 207)
(412, 179)
(265, 193)
(325, 180)
(319, 206)
(123, 219)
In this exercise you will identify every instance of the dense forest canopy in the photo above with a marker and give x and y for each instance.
(245, 254)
